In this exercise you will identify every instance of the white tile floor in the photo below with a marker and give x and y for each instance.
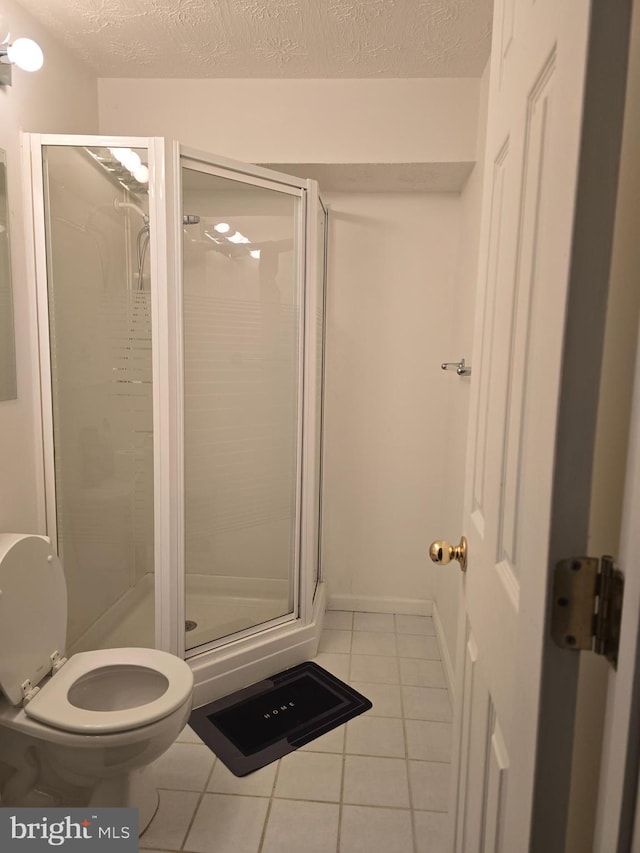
(377, 785)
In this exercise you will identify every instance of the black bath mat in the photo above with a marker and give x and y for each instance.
(263, 722)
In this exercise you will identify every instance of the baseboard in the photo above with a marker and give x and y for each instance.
(375, 604)
(444, 652)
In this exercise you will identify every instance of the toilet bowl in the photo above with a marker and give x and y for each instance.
(80, 731)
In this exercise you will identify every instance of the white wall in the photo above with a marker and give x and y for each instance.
(460, 345)
(62, 97)
(302, 121)
(391, 285)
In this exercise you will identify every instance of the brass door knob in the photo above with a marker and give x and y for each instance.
(442, 552)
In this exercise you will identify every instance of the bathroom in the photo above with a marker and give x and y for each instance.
(389, 324)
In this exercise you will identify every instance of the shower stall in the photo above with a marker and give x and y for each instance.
(180, 301)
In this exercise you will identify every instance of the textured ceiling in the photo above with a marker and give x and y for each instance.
(273, 38)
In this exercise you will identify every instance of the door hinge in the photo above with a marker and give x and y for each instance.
(587, 605)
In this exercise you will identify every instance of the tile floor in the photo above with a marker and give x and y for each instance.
(379, 784)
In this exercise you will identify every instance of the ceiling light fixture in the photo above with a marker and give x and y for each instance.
(127, 158)
(238, 238)
(25, 53)
(131, 161)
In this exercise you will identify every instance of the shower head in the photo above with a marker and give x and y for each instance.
(190, 219)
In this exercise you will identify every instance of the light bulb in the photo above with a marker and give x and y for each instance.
(120, 154)
(26, 53)
(222, 227)
(127, 158)
(141, 175)
(132, 161)
(255, 253)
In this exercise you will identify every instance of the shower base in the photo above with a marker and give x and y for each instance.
(217, 603)
(218, 606)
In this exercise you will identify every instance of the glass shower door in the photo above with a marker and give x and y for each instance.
(96, 341)
(242, 348)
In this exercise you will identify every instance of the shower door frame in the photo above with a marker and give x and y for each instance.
(247, 655)
(38, 263)
(316, 293)
(171, 155)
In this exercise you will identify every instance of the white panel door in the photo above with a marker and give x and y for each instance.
(542, 266)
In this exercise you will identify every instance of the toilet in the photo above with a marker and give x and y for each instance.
(80, 731)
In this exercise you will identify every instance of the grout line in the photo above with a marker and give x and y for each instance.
(353, 755)
(414, 837)
(272, 796)
(344, 756)
(200, 798)
(387, 807)
(291, 799)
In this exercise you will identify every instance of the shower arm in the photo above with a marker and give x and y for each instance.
(128, 205)
(187, 219)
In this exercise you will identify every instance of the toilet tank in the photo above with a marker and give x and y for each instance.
(33, 611)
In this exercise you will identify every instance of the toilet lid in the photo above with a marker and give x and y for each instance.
(55, 704)
(33, 611)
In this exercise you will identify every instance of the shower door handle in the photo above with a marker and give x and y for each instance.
(442, 552)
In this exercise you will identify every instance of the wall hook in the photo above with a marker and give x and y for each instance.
(460, 367)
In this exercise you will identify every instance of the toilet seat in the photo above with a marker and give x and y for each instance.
(33, 612)
(52, 705)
